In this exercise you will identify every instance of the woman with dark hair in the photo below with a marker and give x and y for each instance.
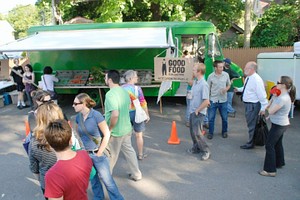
(48, 81)
(28, 80)
(278, 109)
(94, 133)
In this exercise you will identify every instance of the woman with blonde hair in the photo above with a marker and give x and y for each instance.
(94, 133)
(136, 92)
(41, 156)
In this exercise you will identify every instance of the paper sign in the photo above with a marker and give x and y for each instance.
(4, 69)
(174, 69)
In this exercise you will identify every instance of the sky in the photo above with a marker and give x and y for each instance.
(7, 5)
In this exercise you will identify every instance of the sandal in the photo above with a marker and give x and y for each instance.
(142, 156)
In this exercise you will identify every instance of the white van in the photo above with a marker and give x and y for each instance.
(273, 65)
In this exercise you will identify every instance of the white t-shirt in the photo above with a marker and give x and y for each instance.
(49, 79)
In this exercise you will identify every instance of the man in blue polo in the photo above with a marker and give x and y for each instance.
(198, 107)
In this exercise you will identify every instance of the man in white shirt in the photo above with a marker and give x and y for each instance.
(255, 100)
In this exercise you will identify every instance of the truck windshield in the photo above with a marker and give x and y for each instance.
(213, 47)
(194, 44)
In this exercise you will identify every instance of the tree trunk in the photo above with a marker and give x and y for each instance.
(247, 26)
(155, 10)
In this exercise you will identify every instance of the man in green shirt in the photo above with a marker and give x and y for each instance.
(117, 104)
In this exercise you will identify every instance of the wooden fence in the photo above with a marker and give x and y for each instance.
(241, 56)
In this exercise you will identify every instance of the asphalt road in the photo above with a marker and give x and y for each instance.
(169, 172)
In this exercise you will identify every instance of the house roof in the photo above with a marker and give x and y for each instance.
(5, 26)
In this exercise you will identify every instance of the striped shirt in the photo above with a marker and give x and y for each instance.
(40, 160)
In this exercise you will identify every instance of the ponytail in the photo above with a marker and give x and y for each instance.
(292, 93)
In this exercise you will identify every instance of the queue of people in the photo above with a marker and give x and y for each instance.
(53, 161)
(102, 139)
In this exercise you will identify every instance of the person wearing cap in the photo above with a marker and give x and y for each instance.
(232, 76)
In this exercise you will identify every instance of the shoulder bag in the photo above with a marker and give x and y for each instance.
(96, 140)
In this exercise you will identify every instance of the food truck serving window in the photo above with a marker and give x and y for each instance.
(91, 39)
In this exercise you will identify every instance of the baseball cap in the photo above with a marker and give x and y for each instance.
(227, 60)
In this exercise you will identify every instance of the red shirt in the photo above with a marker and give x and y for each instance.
(69, 178)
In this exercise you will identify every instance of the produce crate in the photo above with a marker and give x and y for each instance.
(72, 77)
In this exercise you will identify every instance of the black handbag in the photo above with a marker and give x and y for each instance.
(261, 131)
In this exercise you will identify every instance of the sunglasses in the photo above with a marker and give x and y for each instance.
(75, 104)
(278, 83)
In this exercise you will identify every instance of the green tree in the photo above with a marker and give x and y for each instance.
(279, 26)
(221, 12)
(21, 18)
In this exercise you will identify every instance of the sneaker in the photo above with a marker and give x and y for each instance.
(232, 114)
(205, 156)
(206, 126)
(134, 178)
(192, 151)
(209, 136)
(224, 135)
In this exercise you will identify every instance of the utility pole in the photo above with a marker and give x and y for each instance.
(53, 12)
(247, 25)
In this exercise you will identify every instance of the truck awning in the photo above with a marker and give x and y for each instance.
(122, 38)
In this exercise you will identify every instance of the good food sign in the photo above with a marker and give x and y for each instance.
(175, 69)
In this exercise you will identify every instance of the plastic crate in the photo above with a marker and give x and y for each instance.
(6, 98)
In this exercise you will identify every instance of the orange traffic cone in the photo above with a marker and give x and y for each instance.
(173, 137)
(27, 128)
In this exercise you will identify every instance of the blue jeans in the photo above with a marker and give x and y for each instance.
(187, 112)
(101, 165)
(212, 110)
(230, 109)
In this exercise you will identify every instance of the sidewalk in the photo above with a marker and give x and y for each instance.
(169, 172)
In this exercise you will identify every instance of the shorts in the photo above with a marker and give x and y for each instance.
(20, 87)
(137, 127)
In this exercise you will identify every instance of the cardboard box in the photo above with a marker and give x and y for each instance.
(1, 101)
(14, 96)
(4, 69)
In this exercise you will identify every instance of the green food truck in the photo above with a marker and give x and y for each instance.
(81, 53)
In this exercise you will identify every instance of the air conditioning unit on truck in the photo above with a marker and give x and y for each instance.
(273, 65)
(121, 46)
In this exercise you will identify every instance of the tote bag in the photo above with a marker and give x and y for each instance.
(140, 114)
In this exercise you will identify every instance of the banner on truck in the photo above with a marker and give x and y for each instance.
(173, 69)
